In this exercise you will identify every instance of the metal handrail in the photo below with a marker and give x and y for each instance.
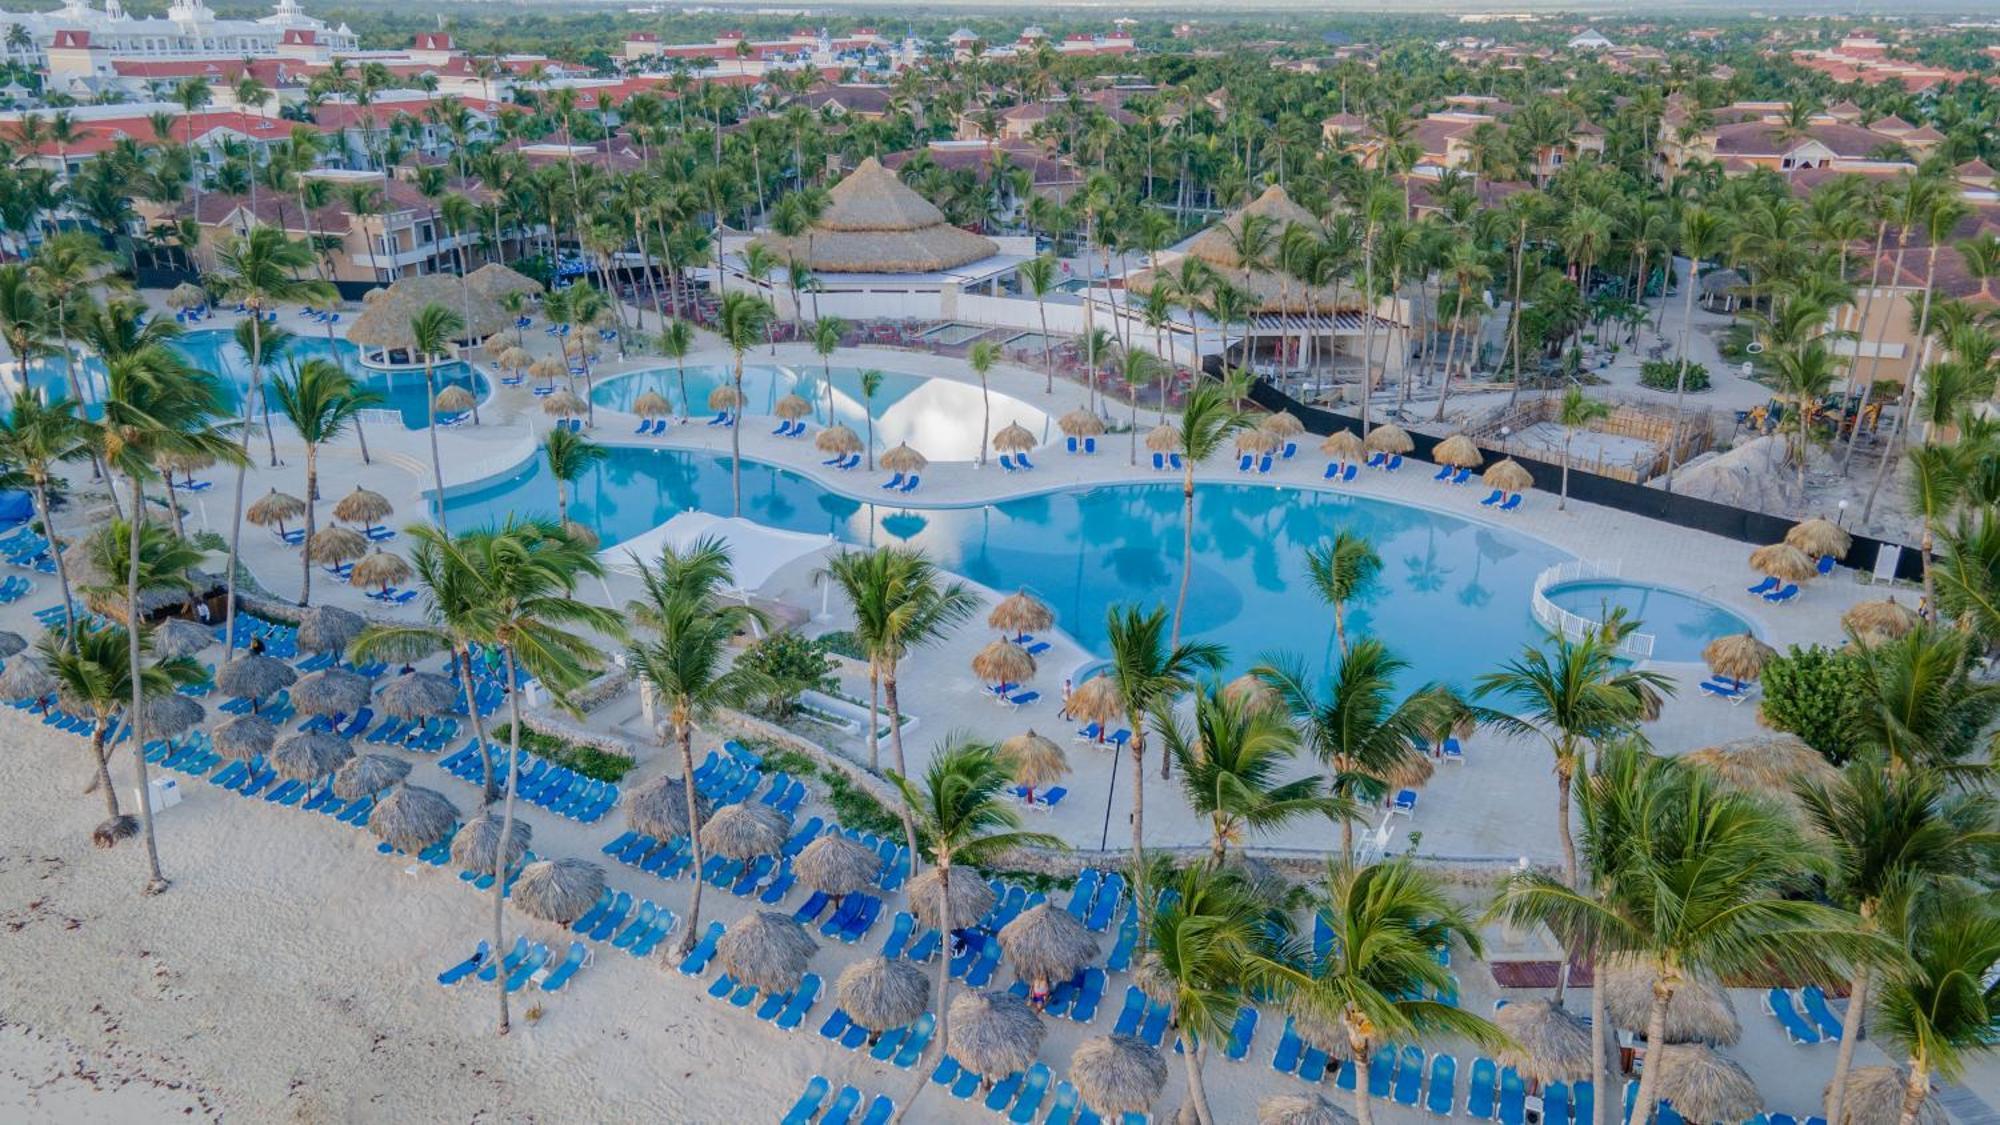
(1574, 626)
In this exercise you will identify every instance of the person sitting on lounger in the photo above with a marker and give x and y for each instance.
(1038, 993)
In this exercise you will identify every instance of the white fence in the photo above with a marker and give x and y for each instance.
(1556, 619)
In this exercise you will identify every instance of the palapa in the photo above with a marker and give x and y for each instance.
(1047, 943)
(1888, 618)
(1270, 290)
(379, 568)
(1820, 536)
(558, 890)
(1256, 441)
(1118, 1074)
(768, 951)
(186, 295)
(476, 847)
(791, 407)
(176, 636)
(362, 506)
(1700, 1010)
(514, 357)
(1032, 760)
(994, 1034)
(1014, 438)
(273, 508)
(1508, 476)
(1782, 560)
(548, 369)
(253, 675)
(454, 400)
(837, 440)
(309, 755)
(494, 281)
(1459, 452)
(1342, 445)
(1096, 700)
(384, 321)
(837, 865)
(1021, 612)
(659, 808)
(1284, 423)
(879, 993)
(368, 774)
(331, 546)
(1080, 423)
(1875, 1096)
(412, 818)
(26, 679)
(171, 714)
(417, 695)
(329, 629)
(971, 898)
(725, 397)
(903, 459)
(1704, 1086)
(1739, 656)
(1388, 438)
(1163, 438)
(245, 738)
(1550, 1045)
(1252, 693)
(1301, 1109)
(745, 830)
(330, 691)
(875, 223)
(652, 404)
(1003, 662)
(564, 404)
(1768, 766)
(584, 536)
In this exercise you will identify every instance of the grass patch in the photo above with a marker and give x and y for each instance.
(598, 765)
(841, 642)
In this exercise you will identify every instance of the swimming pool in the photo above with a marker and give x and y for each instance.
(1681, 624)
(215, 350)
(938, 417)
(1452, 597)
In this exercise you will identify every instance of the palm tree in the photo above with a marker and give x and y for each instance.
(1339, 571)
(1915, 699)
(740, 322)
(64, 269)
(983, 356)
(1939, 219)
(320, 400)
(24, 319)
(1212, 949)
(675, 342)
(962, 812)
(826, 335)
(1704, 234)
(871, 385)
(1137, 368)
(1937, 479)
(35, 437)
(1577, 412)
(1038, 276)
(1940, 1009)
(1208, 419)
(1802, 375)
(432, 331)
(570, 455)
(1149, 673)
(1230, 755)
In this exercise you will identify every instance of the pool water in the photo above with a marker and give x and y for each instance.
(1681, 624)
(938, 417)
(1452, 597)
(215, 351)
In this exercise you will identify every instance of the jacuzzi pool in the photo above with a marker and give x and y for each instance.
(1681, 623)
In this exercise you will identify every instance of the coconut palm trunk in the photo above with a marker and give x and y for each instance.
(1680, 379)
(462, 657)
(1599, 1021)
(1850, 1031)
(102, 782)
(500, 874)
(894, 703)
(1197, 1088)
(684, 737)
(437, 480)
(874, 717)
(236, 511)
(312, 522)
(1656, 1033)
(41, 489)
(155, 881)
(1187, 550)
(1364, 1107)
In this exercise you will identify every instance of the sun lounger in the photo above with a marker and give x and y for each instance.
(1814, 1001)
(841, 1112)
(1555, 1103)
(696, 962)
(1513, 502)
(579, 955)
(492, 969)
(466, 967)
(1264, 464)
(1780, 597)
(800, 1003)
(1132, 1013)
(1023, 698)
(1405, 803)
(1583, 1103)
(1062, 1107)
(1090, 445)
(1479, 1090)
(892, 483)
(1766, 586)
(1513, 1098)
(919, 1037)
(1245, 462)
(1002, 1094)
(1090, 993)
(1444, 1082)
(1240, 1034)
(1492, 498)
(1033, 1088)
(536, 958)
(807, 1107)
(1154, 1029)
(1409, 1077)
(910, 485)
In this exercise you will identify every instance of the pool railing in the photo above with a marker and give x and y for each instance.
(1574, 626)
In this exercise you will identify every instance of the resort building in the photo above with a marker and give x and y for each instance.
(78, 39)
(1044, 174)
(1745, 136)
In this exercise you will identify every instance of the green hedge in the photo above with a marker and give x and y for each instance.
(1809, 692)
(599, 765)
(1664, 375)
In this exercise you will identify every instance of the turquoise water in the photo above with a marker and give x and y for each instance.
(216, 351)
(938, 417)
(1681, 624)
(1452, 597)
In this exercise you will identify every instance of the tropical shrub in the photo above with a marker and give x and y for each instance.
(1809, 692)
(793, 664)
(1664, 375)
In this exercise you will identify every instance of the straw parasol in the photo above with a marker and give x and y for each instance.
(1703, 1085)
(1164, 438)
(837, 865)
(767, 951)
(725, 397)
(1301, 1109)
(1252, 693)
(1284, 423)
(584, 536)
(454, 400)
(514, 357)
(186, 295)
(652, 404)
(1740, 656)
(415, 695)
(412, 818)
(548, 369)
(875, 223)
(385, 320)
(172, 714)
(1781, 560)
(310, 755)
(329, 629)
(1820, 536)
(1888, 617)
(1388, 438)
(1459, 452)
(792, 407)
(1699, 1011)
(994, 1034)
(182, 461)
(1032, 760)
(379, 568)
(477, 845)
(1080, 423)
(1256, 441)
(245, 738)
(878, 993)
(1550, 1045)
(369, 773)
(173, 637)
(331, 546)
(1015, 438)
(1003, 662)
(1047, 943)
(744, 830)
(837, 440)
(1117, 1074)
(1096, 700)
(374, 295)
(1508, 476)
(1341, 445)
(558, 890)
(274, 508)
(563, 404)
(971, 898)
(1875, 1094)
(254, 676)
(26, 679)
(903, 459)
(330, 691)
(659, 808)
(1768, 765)
(494, 281)
(1021, 612)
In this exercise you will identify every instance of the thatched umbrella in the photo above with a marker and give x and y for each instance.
(1252, 693)
(1301, 1109)
(310, 755)
(171, 715)
(994, 1034)
(329, 629)
(1704, 1086)
(1021, 612)
(1342, 445)
(186, 295)
(1820, 536)
(971, 898)
(1284, 423)
(839, 441)
(331, 546)
(416, 695)
(548, 369)
(455, 400)
(254, 676)
(1047, 943)
(583, 536)
(26, 679)
(1782, 560)
(744, 830)
(245, 738)
(1080, 423)
(514, 357)
(1003, 662)
(878, 993)
(1117, 1074)
(1550, 1045)
(768, 951)
(1888, 617)
(1015, 438)
(1740, 656)
(792, 407)
(330, 691)
(837, 865)
(558, 890)
(1256, 441)
(1164, 438)
(1700, 1010)
(652, 404)
(1767, 766)
(563, 404)
(1096, 700)
(476, 847)
(380, 568)
(903, 459)
(1875, 1095)
(368, 773)
(659, 808)
(173, 637)
(1508, 476)
(412, 818)
(1033, 761)
(1388, 438)
(1459, 452)
(274, 508)
(725, 397)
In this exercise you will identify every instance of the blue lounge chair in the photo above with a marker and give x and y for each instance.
(1090, 445)
(1825, 565)
(1007, 463)
(1348, 476)
(1381, 1071)
(966, 1085)
(1409, 1077)
(1033, 1088)
(1459, 477)
(1244, 462)
(1021, 459)
(1492, 498)
(1174, 459)
(1132, 1013)
(841, 1112)
(893, 483)
(1443, 474)
(1159, 462)
(800, 1003)
(1405, 803)
(1513, 502)
(807, 1107)
(1285, 1060)
(466, 967)
(1312, 1066)
(880, 1110)
(1814, 1001)
(1513, 1098)
(579, 955)
(1723, 687)
(1023, 698)
(1555, 1103)
(1444, 1085)
(1083, 1009)
(1063, 1106)
(1583, 1102)
(1240, 1034)
(911, 484)
(696, 962)
(1264, 464)
(1766, 586)
(1291, 450)
(1479, 1089)
(1002, 1094)
(537, 957)
(1332, 471)
(1070, 444)
(1780, 597)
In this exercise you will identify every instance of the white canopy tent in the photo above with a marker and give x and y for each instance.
(756, 552)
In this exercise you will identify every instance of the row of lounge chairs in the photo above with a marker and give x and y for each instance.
(812, 1106)
(901, 483)
(540, 782)
(1817, 1024)
(1774, 590)
(523, 964)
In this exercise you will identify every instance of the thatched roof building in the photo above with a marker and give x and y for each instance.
(384, 323)
(1270, 290)
(494, 281)
(874, 223)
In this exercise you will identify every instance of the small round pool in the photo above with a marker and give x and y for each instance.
(1681, 624)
